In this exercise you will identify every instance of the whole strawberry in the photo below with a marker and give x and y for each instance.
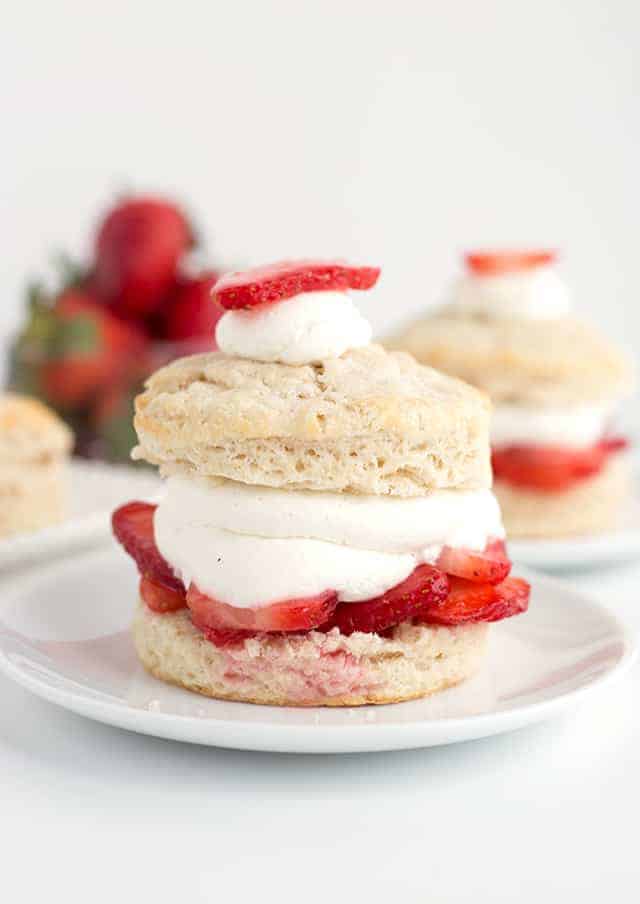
(193, 313)
(86, 349)
(137, 250)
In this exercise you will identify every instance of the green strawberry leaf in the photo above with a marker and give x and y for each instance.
(78, 337)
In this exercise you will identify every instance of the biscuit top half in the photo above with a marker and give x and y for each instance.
(531, 362)
(30, 433)
(368, 421)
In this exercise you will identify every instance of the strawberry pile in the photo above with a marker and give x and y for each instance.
(552, 468)
(87, 347)
(461, 588)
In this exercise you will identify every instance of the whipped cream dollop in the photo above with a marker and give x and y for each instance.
(537, 293)
(253, 546)
(578, 427)
(305, 329)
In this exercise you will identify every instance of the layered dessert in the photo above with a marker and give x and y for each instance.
(34, 453)
(328, 535)
(556, 382)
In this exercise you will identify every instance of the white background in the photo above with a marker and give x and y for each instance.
(396, 133)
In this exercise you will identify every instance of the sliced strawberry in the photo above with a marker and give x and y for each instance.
(488, 567)
(425, 586)
(493, 263)
(160, 598)
(552, 468)
(289, 615)
(469, 602)
(133, 527)
(264, 285)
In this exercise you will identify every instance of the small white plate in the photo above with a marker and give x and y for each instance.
(64, 634)
(582, 553)
(95, 489)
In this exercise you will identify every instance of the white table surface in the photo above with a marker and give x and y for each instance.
(545, 814)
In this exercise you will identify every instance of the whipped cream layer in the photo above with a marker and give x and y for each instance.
(253, 546)
(301, 330)
(579, 428)
(537, 294)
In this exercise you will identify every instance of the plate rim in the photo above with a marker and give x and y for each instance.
(310, 738)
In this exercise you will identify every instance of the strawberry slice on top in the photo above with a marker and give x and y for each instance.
(496, 263)
(286, 279)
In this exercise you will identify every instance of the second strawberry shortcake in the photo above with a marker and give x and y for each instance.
(328, 534)
(555, 382)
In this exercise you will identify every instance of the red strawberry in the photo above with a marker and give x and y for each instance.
(88, 347)
(290, 615)
(492, 263)
(133, 527)
(137, 250)
(426, 586)
(160, 598)
(469, 602)
(488, 567)
(275, 282)
(552, 468)
(192, 312)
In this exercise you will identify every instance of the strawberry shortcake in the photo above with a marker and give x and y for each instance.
(555, 383)
(328, 535)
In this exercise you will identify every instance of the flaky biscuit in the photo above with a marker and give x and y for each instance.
(30, 432)
(539, 362)
(311, 669)
(590, 507)
(368, 422)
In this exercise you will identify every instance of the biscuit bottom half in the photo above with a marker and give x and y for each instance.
(591, 506)
(311, 669)
(32, 497)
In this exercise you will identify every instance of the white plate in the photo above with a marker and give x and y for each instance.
(64, 635)
(572, 553)
(95, 489)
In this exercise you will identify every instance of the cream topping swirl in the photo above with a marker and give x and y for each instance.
(305, 329)
(578, 427)
(537, 293)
